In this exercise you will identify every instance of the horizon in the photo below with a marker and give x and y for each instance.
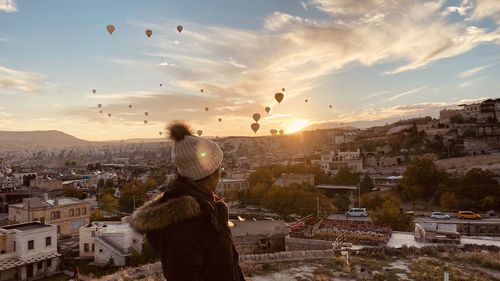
(374, 64)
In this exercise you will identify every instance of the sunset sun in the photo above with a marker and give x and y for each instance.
(296, 126)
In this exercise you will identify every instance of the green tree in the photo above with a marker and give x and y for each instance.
(253, 195)
(261, 175)
(371, 202)
(74, 192)
(449, 201)
(422, 180)
(341, 201)
(346, 177)
(96, 215)
(389, 214)
(366, 184)
(108, 202)
(132, 195)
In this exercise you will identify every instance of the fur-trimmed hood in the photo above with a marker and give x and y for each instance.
(157, 214)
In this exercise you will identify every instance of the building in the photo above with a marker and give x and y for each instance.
(289, 179)
(258, 237)
(227, 185)
(46, 184)
(24, 178)
(445, 115)
(28, 251)
(342, 158)
(109, 241)
(485, 112)
(67, 213)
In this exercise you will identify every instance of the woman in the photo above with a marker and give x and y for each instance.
(188, 225)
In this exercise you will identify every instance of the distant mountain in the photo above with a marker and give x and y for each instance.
(12, 140)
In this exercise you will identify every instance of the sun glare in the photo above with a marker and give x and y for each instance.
(296, 126)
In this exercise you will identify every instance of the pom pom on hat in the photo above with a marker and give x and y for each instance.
(178, 130)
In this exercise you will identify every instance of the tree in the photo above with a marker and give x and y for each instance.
(341, 201)
(389, 214)
(253, 195)
(96, 215)
(371, 201)
(261, 175)
(366, 184)
(108, 202)
(74, 192)
(422, 179)
(346, 177)
(449, 201)
(133, 195)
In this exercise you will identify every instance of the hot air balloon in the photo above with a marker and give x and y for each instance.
(201, 90)
(220, 119)
(279, 97)
(330, 106)
(93, 91)
(267, 109)
(160, 132)
(206, 108)
(282, 132)
(282, 89)
(255, 127)
(129, 106)
(161, 84)
(180, 28)
(100, 111)
(99, 105)
(199, 133)
(110, 28)
(109, 115)
(256, 117)
(274, 132)
(145, 121)
(306, 100)
(146, 113)
(149, 33)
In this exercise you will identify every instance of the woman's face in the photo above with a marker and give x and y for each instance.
(214, 179)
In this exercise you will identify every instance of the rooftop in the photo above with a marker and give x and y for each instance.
(26, 226)
(339, 187)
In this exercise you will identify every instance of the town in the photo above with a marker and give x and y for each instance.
(65, 203)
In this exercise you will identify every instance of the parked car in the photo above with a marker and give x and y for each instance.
(357, 212)
(440, 216)
(468, 215)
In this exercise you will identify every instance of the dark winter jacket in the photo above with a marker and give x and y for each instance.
(188, 229)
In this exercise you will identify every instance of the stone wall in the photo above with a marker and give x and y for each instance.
(302, 244)
(258, 244)
(287, 256)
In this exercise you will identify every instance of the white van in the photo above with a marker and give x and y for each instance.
(357, 212)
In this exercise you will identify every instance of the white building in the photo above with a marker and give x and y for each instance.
(226, 185)
(343, 158)
(28, 251)
(109, 240)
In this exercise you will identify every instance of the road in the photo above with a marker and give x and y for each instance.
(419, 219)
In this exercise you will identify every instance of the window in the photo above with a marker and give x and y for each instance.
(49, 262)
(86, 247)
(93, 247)
(31, 244)
(100, 250)
(48, 241)
(39, 265)
(71, 212)
(84, 210)
(78, 211)
(55, 215)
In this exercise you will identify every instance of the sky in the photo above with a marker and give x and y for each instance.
(358, 63)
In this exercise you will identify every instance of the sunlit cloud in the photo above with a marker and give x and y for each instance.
(8, 6)
(406, 93)
(472, 71)
(470, 82)
(19, 80)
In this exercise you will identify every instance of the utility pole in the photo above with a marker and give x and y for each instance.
(317, 205)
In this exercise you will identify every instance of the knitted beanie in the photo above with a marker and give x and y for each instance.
(195, 157)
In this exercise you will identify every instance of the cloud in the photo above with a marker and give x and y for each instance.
(304, 5)
(472, 71)
(487, 8)
(375, 94)
(8, 6)
(11, 79)
(470, 82)
(406, 93)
